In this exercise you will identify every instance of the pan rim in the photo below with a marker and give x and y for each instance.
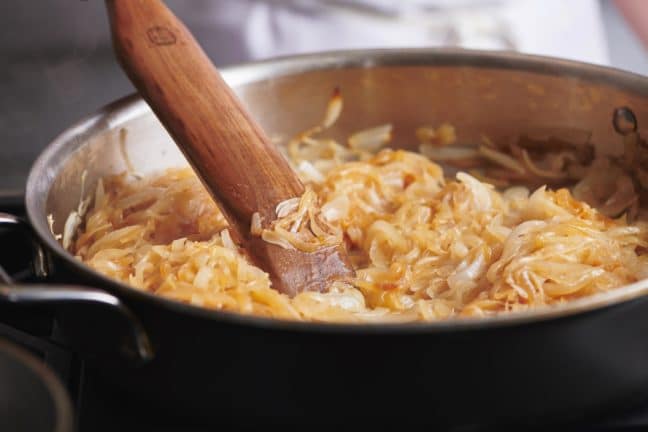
(59, 397)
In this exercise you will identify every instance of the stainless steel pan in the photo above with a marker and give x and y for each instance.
(558, 364)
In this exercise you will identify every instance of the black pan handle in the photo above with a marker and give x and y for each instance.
(110, 317)
(136, 345)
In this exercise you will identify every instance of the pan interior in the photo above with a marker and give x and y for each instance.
(502, 97)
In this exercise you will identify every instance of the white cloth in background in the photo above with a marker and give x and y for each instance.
(570, 29)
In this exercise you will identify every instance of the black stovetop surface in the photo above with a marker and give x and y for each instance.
(97, 405)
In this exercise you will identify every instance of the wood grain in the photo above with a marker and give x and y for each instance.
(241, 168)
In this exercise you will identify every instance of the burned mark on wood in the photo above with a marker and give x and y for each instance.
(161, 35)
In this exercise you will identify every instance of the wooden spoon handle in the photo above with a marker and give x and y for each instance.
(239, 165)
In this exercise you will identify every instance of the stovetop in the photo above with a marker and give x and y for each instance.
(97, 405)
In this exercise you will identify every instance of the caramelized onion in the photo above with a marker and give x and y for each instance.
(425, 247)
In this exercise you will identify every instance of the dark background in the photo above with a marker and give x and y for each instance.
(56, 66)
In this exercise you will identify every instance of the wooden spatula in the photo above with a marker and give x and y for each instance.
(241, 168)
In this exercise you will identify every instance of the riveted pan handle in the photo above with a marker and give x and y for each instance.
(41, 263)
(113, 323)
